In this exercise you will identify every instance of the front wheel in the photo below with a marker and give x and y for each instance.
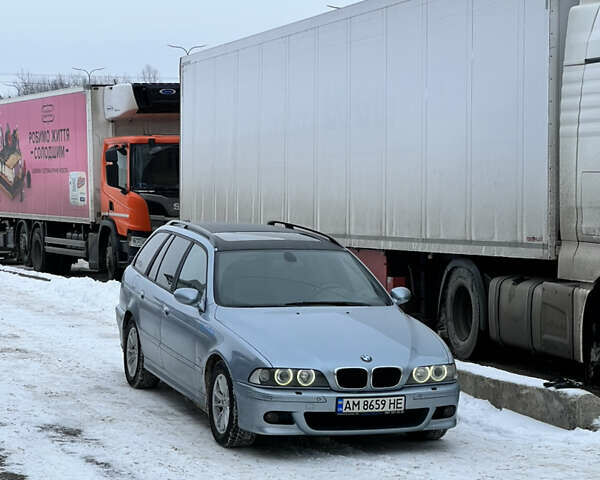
(223, 413)
(133, 360)
(113, 271)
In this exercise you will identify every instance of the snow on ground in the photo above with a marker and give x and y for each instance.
(66, 412)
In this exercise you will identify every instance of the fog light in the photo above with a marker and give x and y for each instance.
(444, 412)
(279, 418)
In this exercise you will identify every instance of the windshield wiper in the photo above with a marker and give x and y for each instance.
(334, 303)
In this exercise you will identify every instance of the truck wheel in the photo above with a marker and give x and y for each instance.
(133, 360)
(223, 413)
(38, 255)
(592, 357)
(23, 253)
(112, 265)
(465, 310)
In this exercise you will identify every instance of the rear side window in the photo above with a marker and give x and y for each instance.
(170, 262)
(147, 252)
(193, 272)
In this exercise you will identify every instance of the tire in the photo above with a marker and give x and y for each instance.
(133, 360)
(38, 255)
(23, 245)
(465, 310)
(221, 398)
(427, 435)
(113, 272)
(592, 356)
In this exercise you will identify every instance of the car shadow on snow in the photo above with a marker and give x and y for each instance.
(290, 447)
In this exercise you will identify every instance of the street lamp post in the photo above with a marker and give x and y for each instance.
(186, 50)
(89, 72)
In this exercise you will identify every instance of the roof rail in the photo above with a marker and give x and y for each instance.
(293, 226)
(194, 228)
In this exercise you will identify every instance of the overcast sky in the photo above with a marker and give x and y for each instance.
(47, 37)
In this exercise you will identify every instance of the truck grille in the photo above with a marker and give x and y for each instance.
(333, 421)
(351, 377)
(383, 377)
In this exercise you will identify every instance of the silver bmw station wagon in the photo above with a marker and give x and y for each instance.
(279, 330)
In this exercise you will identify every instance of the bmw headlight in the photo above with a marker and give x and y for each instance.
(288, 378)
(433, 374)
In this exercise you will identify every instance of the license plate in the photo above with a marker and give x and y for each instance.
(370, 405)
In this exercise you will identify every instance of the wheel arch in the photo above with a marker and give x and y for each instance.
(472, 267)
(211, 361)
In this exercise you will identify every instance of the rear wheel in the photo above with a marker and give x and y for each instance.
(133, 360)
(592, 356)
(23, 247)
(465, 309)
(38, 255)
(223, 412)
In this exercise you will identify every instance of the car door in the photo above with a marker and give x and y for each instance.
(148, 316)
(186, 335)
(164, 285)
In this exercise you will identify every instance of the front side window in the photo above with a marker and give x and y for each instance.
(278, 278)
(170, 262)
(116, 167)
(193, 272)
(148, 250)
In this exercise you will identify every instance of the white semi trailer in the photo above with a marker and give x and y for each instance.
(455, 144)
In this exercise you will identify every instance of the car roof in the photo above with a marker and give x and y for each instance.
(246, 236)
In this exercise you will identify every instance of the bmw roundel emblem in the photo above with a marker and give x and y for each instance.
(167, 91)
(366, 358)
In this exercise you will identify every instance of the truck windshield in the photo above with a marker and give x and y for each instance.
(155, 168)
(280, 278)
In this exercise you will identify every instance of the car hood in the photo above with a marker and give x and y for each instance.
(326, 338)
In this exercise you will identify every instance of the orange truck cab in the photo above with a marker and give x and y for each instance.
(139, 192)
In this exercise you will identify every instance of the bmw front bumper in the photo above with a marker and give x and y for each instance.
(313, 412)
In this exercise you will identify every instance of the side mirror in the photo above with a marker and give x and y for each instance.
(401, 295)
(187, 296)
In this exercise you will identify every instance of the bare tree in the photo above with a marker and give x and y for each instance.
(149, 74)
(27, 83)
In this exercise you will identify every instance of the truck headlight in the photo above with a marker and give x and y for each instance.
(288, 378)
(432, 374)
(136, 242)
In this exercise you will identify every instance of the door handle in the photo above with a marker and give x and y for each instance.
(166, 310)
(111, 205)
(142, 294)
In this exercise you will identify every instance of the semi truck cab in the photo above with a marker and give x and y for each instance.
(140, 191)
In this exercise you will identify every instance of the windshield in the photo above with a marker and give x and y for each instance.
(155, 168)
(277, 278)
